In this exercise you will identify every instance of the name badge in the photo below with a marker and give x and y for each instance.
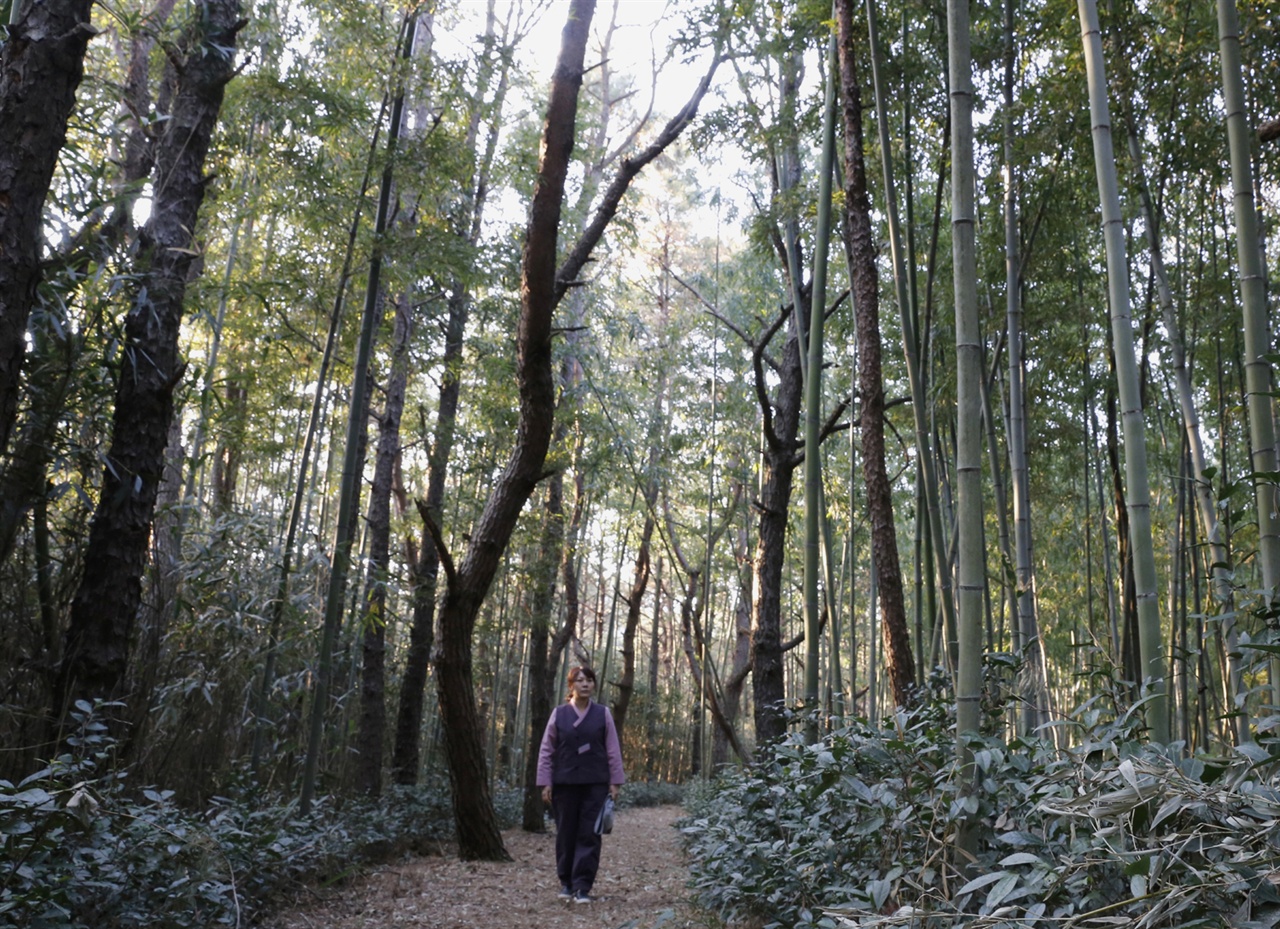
(583, 749)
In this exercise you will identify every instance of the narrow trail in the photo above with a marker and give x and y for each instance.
(640, 886)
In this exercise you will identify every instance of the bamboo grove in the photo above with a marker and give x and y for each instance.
(362, 367)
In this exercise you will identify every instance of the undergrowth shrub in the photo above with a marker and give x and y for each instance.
(857, 831)
(85, 850)
(651, 793)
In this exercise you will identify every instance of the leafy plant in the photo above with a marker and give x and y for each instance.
(854, 831)
(88, 850)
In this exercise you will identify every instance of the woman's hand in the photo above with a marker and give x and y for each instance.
(614, 789)
(546, 795)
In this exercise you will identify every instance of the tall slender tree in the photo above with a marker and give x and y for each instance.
(1137, 488)
(1033, 673)
(968, 463)
(1257, 328)
(861, 251)
(356, 439)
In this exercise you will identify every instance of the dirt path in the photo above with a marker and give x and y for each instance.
(640, 886)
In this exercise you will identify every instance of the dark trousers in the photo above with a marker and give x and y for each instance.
(576, 807)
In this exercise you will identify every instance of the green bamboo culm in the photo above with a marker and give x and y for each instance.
(813, 497)
(1253, 299)
(1137, 488)
(972, 572)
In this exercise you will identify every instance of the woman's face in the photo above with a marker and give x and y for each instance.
(583, 686)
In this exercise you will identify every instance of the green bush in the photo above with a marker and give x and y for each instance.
(651, 793)
(85, 850)
(858, 830)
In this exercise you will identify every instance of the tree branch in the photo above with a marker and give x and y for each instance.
(446, 559)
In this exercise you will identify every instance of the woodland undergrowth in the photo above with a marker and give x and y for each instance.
(857, 830)
(85, 847)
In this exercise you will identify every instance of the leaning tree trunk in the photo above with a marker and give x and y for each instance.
(95, 655)
(866, 297)
(542, 287)
(41, 66)
(478, 835)
(1138, 493)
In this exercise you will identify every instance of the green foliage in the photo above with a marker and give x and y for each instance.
(651, 793)
(87, 849)
(858, 827)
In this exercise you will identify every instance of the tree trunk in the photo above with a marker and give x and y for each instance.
(1257, 328)
(781, 424)
(478, 835)
(649, 500)
(1138, 491)
(654, 704)
(41, 65)
(541, 676)
(353, 454)
(866, 297)
(779, 461)
(1033, 681)
(95, 654)
(373, 708)
(968, 377)
(634, 601)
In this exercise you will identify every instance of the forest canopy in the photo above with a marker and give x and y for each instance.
(363, 368)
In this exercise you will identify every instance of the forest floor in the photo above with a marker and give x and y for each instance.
(641, 885)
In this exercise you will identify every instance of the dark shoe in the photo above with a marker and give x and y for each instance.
(566, 893)
(581, 896)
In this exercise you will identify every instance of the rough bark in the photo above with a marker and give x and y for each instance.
(95, 654)
(866, 300)
(373, 707)
(779, 462)
(41, 66)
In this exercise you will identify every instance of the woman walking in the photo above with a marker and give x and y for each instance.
(579, 766)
